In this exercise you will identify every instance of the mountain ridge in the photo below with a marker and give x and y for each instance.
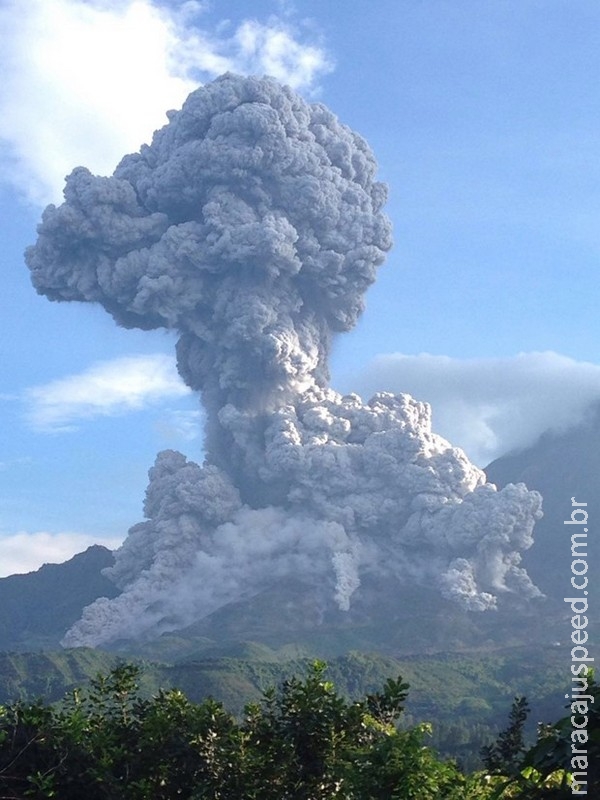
(36, 608)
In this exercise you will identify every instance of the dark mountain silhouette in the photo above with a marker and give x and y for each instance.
(38, 607)
(560, 466)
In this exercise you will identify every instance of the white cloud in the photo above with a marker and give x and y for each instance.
(272, 50)
(14, 462)
(106, 388)
(180, 425)
(25, 552)
(83, 83)
(489, 406)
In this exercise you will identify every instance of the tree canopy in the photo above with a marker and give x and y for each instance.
(302, 741)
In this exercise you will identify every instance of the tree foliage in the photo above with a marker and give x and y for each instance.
(302, 741)
(503, 757)
(550, 769)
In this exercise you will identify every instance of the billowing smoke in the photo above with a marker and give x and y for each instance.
(252, 226)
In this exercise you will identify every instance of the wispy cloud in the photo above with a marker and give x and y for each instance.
(105, 389)
(15, 462)
(272, 49)
(489, 406)
(25, 552)
(83, 83)
(180, 426)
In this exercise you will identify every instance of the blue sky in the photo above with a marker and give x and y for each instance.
(484, 116)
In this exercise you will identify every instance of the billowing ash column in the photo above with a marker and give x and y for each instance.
(252, 226)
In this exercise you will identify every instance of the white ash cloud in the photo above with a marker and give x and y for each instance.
(252, 226)
(351, 488)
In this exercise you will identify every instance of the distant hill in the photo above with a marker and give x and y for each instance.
(49, 675)
(37, 608)
(384, 618)
(466, 696)
(559, 466)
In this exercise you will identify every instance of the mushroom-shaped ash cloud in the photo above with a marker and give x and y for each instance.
(252, 225)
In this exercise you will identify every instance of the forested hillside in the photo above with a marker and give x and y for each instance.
(465, 696)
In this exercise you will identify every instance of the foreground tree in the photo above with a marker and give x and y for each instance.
(563, 763)
(302, 742)
(504, 756)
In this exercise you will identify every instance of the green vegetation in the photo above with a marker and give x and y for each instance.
(303, 741)
(505, 754)
(464, 695)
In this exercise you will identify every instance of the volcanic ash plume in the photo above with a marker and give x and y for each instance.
(252, 226)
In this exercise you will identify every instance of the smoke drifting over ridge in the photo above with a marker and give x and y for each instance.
(252, 225)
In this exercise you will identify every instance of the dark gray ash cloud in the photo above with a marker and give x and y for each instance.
(253, 226)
